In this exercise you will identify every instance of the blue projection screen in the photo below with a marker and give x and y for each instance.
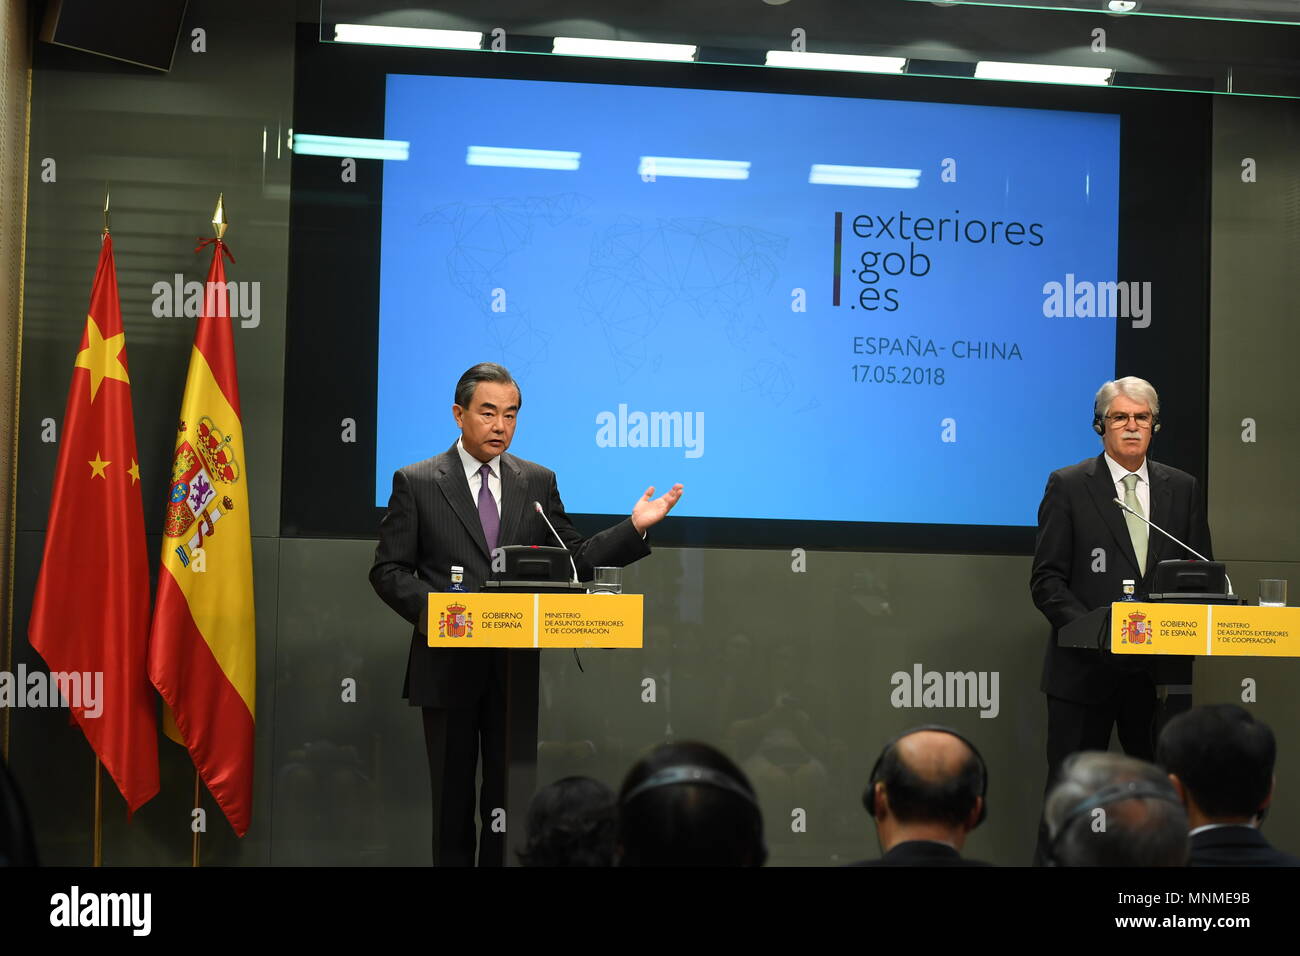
(801, 307)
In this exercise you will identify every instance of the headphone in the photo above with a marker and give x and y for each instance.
(690, 773)
(1114, 793)
(1099, 423)
(693, 773)
(869, 795)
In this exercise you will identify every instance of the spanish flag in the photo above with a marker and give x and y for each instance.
(202, 650)
(90, 612)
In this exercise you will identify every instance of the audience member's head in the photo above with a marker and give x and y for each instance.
(1220, 760)
(928, 784)
(571, 823)
(685, 804)
(1111, 810)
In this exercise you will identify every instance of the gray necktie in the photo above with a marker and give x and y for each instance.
(487, 510)
(1137, 530)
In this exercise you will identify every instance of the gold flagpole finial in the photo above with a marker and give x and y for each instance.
(106, 198)
(219, 221)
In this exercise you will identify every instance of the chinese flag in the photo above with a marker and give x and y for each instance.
(90, 614)
(202, 650)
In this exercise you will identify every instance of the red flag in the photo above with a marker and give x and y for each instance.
(202, 653)
(90, 614)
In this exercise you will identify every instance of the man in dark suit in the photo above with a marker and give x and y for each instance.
(1086, 547)
(456, 509)
(1220, 760)
(926, 794)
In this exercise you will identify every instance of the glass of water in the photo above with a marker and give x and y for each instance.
(1272, 592)
(606, 581)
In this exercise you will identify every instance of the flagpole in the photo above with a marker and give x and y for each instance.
(219, 229)
(97, 840)
(208, 678)
(97, 829)
(194, 855)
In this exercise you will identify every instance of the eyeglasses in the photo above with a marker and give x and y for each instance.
(1119, 419)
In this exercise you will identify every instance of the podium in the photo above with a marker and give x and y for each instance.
(519, 618)
(534, 614)
(1198, 625)
(1204, 630)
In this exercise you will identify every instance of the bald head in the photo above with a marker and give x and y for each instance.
(930, 776)
(933, 755)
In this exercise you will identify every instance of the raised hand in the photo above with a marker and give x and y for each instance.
(650, 511)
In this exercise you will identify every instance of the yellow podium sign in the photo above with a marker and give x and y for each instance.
(1214, 630)
(486, 619)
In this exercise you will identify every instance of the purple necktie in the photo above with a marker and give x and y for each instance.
(487, 510)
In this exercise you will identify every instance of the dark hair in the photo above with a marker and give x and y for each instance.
(689, 822)
(570, 823)
(1142, 821)
(484, 372)
(916, 799)
(1223, 756)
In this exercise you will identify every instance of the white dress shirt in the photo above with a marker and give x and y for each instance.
(472, 467)
(1118, 473)
(1219, 826)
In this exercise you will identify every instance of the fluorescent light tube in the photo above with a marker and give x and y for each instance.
(623, 49)
(522, 158)
(884, 177)
(652, 167)
(1043, 73)
(407, 36)
(351, 147)
(836, 61)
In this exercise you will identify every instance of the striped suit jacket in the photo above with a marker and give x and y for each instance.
(432, 523)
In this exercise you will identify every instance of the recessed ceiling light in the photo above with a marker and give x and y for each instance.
(623, 49)
(407, 36)
(836, 61)
(1043, 73)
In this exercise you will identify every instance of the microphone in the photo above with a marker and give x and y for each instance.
(1160, 529)
(1152, 524)
(538, 506)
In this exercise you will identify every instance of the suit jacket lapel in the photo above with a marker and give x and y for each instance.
(450, 476)
(513, 505)
(1103, 494)
(1162, 497)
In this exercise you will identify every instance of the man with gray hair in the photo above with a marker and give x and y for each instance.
(1112, 810)
(1087, 546)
